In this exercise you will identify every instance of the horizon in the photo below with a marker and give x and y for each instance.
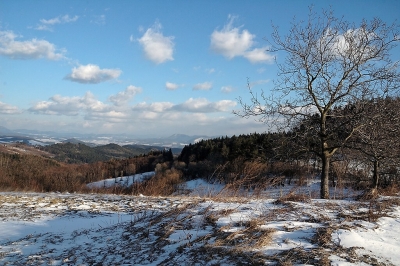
(147, 68)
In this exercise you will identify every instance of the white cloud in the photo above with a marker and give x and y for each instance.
(205, 86)
(259, 82)
(342, 45)
(156, 107)
(70, 106)
(46, 24)
(59, 20)
(92, 74)
(227, 89)
(8, 109)
(210, 70)
(156, 46)
(202, 105)
(232, 42)
(87, 112)
(171, 86)
(192, 105)
(112, 116)
(123, 97)
(31, 49)
(259, 55)
(261, 70)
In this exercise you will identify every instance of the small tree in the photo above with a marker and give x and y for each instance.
(329, 63)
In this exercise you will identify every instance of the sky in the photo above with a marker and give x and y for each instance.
(147, 68)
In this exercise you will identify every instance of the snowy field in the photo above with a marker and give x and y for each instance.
(98, 229)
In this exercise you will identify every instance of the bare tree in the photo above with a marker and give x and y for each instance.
(329, 63)
(378, 141)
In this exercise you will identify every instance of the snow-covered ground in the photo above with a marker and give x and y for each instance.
(100, 229)
(123, 181)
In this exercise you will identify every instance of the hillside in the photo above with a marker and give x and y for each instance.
(81, 153)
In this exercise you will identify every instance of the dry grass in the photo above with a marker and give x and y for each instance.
(296, 256)
(323, 236)
(291, 196)
(251, 235)
(211, 217)
(393, 190)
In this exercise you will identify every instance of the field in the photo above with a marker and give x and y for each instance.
(286, 226)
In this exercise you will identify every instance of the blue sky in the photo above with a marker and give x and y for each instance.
(146, 68)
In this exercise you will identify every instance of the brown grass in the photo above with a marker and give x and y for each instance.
(251, 236)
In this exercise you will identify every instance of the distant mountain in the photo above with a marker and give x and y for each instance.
(174, 141)
(6, 132)
(35, 137)
(185, 138)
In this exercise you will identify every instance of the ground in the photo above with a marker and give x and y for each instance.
(270, 229)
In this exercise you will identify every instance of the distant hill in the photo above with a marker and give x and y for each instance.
(74, 141)
(6, 132)
(81, 153)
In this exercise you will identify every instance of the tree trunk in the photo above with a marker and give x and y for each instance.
(325, 176)
(375, 178)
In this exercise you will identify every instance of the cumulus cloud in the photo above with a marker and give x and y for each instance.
(205, 86)
(45, 24)
(192, 105)
(258, 55)
(30, 49)
(171, 86)
(88, 112)
(92, 74)
(233, 41)
(112, 116)
(8, 109)
(156, 107)
(123, 97)
(230, 41)
(70, 106)
(342, 45)
(202, 105)
(157, 47)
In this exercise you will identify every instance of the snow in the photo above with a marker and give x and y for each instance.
(124, 181)
(381, 239)
(90, 229)
(199, 187)
(36, 142)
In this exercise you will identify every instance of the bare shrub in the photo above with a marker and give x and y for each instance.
(162, 184)
(393, 190)
(292, 196)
